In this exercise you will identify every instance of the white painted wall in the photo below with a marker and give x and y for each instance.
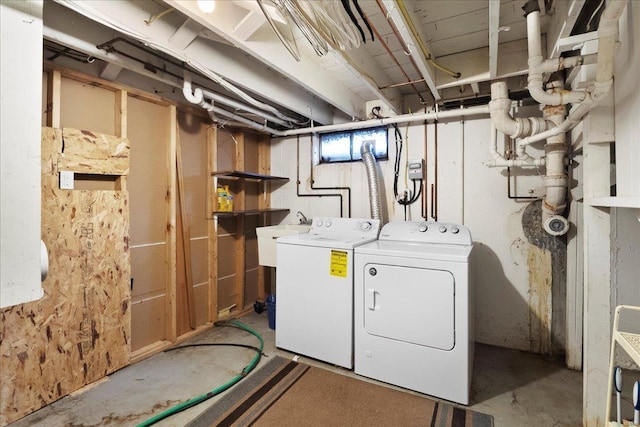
(20, 116)
(627, 103)
(469, 193)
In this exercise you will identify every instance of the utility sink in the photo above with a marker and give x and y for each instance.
(267, 237)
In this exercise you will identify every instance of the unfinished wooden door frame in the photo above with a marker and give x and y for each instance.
(53, 119)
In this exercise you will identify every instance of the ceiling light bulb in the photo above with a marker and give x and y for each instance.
(207, 6)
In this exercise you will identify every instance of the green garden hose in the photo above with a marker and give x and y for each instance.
(199, 399)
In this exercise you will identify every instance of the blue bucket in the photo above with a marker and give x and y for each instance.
(271, 310)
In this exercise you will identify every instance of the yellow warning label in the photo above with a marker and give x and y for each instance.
(338, 263)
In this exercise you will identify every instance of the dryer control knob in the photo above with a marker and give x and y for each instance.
(319, 222)
(455, 230)
(366, 226)
(422, 228)
(327, 223)
(442, 229)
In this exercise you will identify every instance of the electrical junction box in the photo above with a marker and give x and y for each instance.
(416, 168)
(66, 180)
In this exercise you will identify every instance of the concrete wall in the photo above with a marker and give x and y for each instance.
(513, 276)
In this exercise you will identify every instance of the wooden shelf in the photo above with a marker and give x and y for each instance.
(615, 202)
(249, 212)
(233, 174)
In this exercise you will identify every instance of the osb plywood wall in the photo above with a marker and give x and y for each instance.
(80, 330)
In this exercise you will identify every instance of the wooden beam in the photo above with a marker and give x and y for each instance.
(170, 234)
(238, 204)
(53, 95)
(212, 228)
(186, 234)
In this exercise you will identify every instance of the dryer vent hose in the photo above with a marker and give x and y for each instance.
(372, 176)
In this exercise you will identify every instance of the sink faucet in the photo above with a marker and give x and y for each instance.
(303, 219)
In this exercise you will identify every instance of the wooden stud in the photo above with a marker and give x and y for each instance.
(121, 113)
(186, 234)
(212, 155)
(171, 306)
(54, 83)
(239, 204)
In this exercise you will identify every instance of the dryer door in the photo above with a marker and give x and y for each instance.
(409, 304)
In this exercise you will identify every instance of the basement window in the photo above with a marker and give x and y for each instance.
(345, 146)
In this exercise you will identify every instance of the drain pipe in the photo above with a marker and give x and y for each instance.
(555, 179)
(607, 36)
(372, 176)
(536, 85)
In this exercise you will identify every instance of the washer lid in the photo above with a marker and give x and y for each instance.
(341, 233)
(338, 242)
(431, 251)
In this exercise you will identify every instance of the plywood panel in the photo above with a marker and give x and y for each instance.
(226, 226)
(251, 248)
(84, 106)
(91, 153)
(251, 287)
(201, 293)
(226, 149)
(147, 282)
(226, 292)
(80, 330)
(149, 325)
(148, 131)
(199, 260)
(251, 148)
(226, 256)
(193, 140)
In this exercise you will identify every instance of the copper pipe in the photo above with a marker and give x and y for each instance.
(423, 202)
(434, 186)
(405, 48)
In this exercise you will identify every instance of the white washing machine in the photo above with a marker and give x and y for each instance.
(413, 309)
(314, 288)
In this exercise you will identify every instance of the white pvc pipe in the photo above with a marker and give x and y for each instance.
(536, 67)
(404, 118)
(607, 34)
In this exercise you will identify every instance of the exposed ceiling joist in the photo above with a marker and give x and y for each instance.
(229, 63)
(305, 73)
(426, 70)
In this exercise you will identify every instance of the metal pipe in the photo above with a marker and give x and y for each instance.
(369, 160)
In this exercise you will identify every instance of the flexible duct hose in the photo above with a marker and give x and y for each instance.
(372, 176)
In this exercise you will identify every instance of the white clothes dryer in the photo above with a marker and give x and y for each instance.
(413, 309)
(314, 288)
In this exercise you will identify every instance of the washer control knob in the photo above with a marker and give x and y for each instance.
(327, 223)
(442, 229)
(366, 226)
(422, 227)
(455, 230)
(319, 222)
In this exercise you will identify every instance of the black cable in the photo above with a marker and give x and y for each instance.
(364, 18)
(347, 8)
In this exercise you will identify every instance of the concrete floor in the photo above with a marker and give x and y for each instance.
(518, 389)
